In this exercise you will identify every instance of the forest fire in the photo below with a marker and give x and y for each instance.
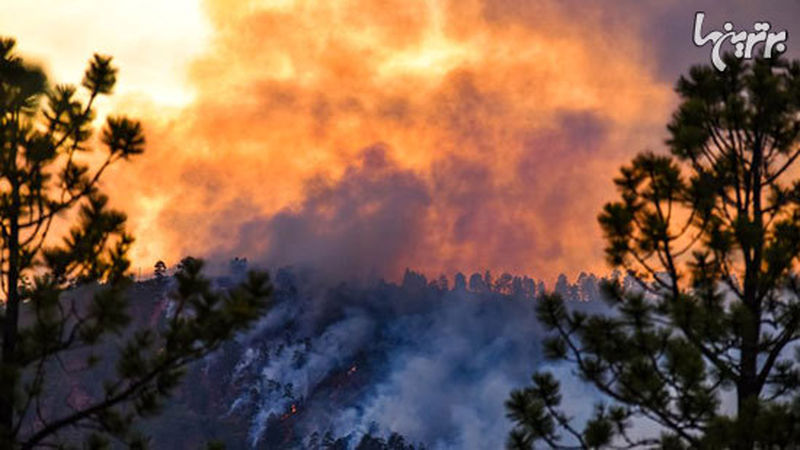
(396, 173)
(345, 359)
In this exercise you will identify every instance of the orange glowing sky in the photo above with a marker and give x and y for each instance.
(367, 135)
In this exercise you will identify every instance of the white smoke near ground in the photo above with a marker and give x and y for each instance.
(286, 380)
(433, 364)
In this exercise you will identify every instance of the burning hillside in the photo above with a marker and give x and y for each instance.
(338, 366)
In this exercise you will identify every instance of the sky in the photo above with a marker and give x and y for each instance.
(362, 137)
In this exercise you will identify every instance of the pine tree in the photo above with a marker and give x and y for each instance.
(52, 334)
(160, 270)
(710, 232)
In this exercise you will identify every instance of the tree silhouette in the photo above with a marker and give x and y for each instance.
(711, 235)
(50, 334)
(160, 269)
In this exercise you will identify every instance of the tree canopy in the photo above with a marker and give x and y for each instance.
(50, 171)
(710, 232)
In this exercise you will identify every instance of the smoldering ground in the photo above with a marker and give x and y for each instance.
(431, 362)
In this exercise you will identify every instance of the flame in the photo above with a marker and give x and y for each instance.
(292, 411)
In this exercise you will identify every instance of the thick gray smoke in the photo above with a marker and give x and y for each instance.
(363, 224)
(379, 217)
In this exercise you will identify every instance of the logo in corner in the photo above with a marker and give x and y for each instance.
(746, 44)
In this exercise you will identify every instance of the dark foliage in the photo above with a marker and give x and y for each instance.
(711, 233)
(51, 336)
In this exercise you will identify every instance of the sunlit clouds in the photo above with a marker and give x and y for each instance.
(151, 40)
